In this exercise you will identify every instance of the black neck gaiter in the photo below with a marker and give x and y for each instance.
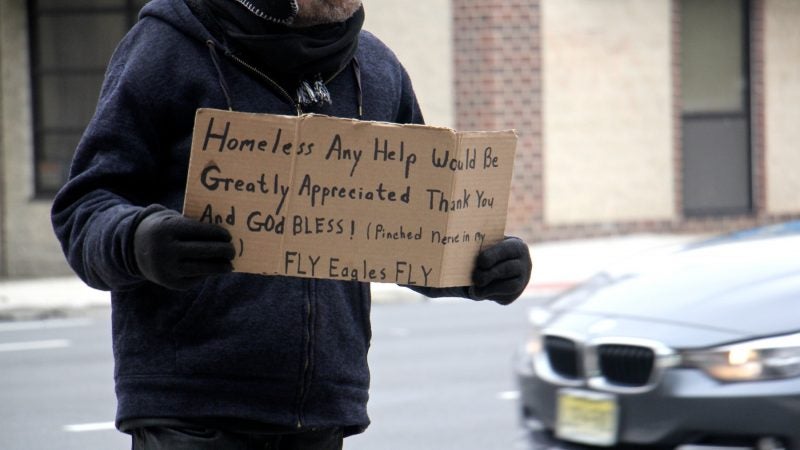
(308, 53)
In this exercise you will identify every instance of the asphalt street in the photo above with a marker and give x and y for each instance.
(441, 379)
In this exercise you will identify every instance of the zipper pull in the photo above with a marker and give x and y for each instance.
(313, 92)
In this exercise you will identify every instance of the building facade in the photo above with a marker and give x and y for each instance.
(637, 115)
(632, 115)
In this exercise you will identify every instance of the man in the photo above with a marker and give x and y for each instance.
(205, 358)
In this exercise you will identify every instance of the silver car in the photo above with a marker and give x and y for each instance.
(697, 348)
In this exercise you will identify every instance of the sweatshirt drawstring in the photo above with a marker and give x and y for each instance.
(317, 91)
(222, 82)
(359, 91)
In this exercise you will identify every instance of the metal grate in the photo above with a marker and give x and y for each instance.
(563, 356)
(626, 365)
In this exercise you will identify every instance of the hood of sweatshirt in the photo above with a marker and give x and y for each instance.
(179, 16)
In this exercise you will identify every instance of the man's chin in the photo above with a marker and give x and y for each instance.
(318, 12)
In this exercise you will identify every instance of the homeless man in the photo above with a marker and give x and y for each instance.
(206, 358)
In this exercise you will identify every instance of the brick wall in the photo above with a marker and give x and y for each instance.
(498, 86)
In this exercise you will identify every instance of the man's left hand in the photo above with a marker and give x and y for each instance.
(502, 271)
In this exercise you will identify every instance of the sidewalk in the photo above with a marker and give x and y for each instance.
(556, 266)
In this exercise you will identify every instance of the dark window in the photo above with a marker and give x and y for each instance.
(71, 43)
(715, 88)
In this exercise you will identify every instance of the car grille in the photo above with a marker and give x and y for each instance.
(621, 365)
(563, 356)
(626, 365)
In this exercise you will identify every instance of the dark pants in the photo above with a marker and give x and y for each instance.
(191, 438)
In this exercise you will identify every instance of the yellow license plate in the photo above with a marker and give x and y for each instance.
(587, 417)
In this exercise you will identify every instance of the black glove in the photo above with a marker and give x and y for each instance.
(178, 252)
(502, 271)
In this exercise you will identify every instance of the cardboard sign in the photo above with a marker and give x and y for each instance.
(316, 196)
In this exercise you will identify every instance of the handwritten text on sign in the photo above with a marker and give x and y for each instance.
(316, 196)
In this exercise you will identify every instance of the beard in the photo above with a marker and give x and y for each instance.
(316, 12)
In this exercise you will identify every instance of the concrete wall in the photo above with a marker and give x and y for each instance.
(31, 248)
(782, 105)
(607, 111)
(419, 32)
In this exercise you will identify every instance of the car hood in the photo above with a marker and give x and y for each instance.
(739, 288)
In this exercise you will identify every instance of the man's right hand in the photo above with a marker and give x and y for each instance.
(177, 252)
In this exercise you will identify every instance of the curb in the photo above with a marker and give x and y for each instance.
(58, 297)
(49, 297)
(557, 267)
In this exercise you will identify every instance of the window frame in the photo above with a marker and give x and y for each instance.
(746, 70)
(128, 9)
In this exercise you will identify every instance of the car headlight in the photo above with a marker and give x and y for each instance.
(537, 317)
(534, 344)
(760, 359)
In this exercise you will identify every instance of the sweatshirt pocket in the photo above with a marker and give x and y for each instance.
(247, 326)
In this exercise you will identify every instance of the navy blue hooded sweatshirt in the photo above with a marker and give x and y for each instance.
(275, 350)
